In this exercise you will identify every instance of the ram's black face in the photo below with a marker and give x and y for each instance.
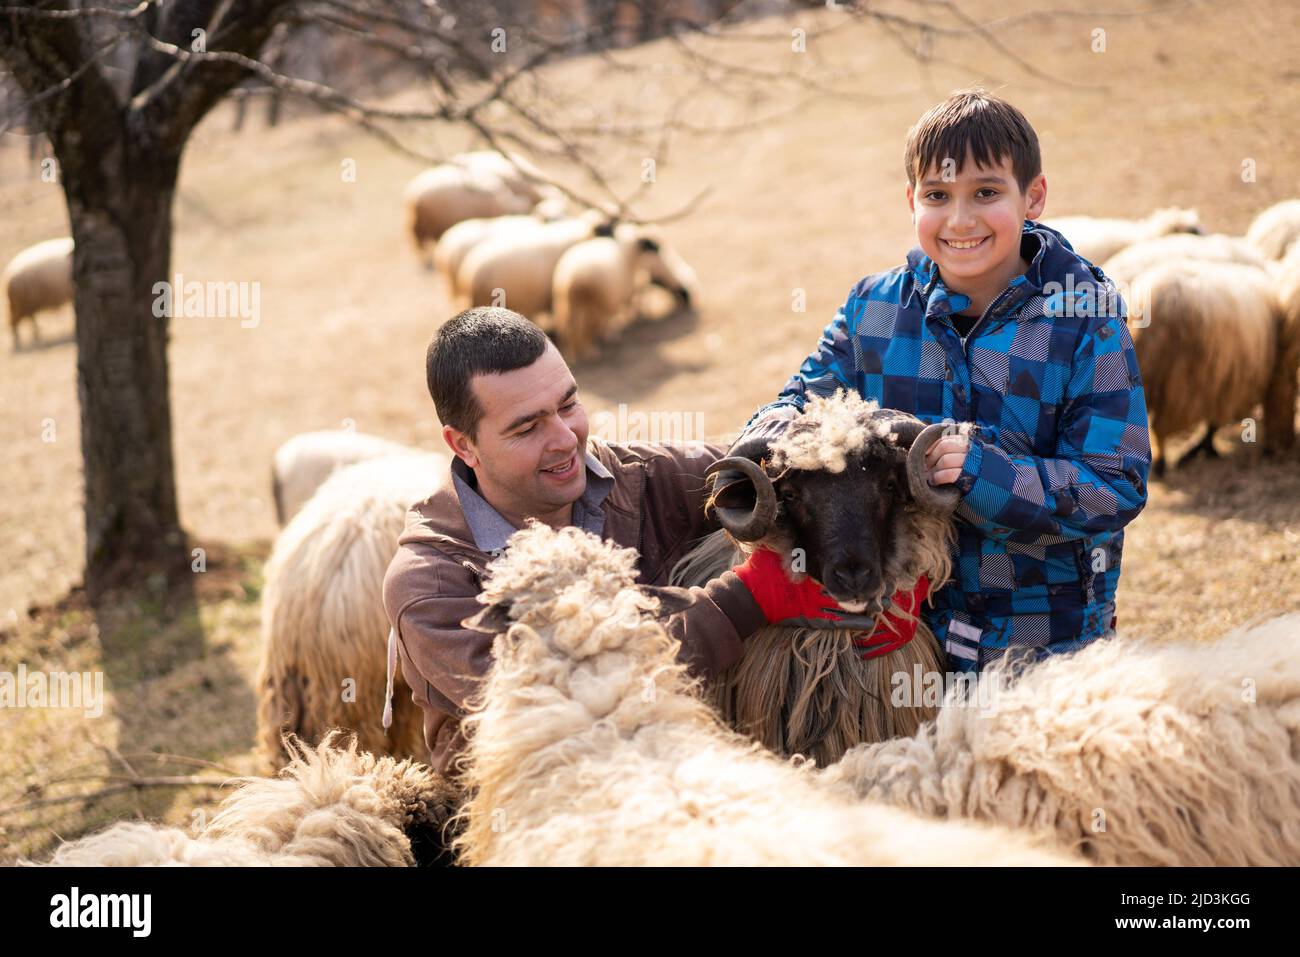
(844, 523)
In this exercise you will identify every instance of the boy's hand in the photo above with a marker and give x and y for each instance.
(945, 459)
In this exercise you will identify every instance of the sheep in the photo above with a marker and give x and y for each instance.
(1096, 240)
(802, 688)
(1131, 752)
(1206, 338)
(517, 267)
(38, 278)
(1280, 398)
(1275, 231)
(457, 242)
(324, 628)
(1125, 266)
(332, 806)
(596, 281)
(303, 462)
(472, 185)
(588, 744)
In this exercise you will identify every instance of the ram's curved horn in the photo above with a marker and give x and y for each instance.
(745, 524)
(917, 438)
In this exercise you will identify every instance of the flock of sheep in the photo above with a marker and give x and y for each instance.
(503, 238)
(500, 236)
(591, 745)
(1215, 318)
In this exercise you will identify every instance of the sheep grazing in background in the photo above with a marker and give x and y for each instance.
(1280, 400)
(457, 242)
(1096, 240)
(332, 806)
(846, 486)
(471, 186)
(596, 282)
(591, 746)
(38, 278)
(324, 628)
(1274, 231)
(1132, 752)
(515, 269)
(1126, 265)
(305, 461)
(1206, 338)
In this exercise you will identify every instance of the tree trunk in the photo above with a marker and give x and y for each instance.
(123, 247)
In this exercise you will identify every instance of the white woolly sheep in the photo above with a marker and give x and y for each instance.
(805, 689)
(1206, 337)
(302, 463)
(1132, 752)
(38, 278)
(594, 289)
(457, 242)
(471, 186)
(515, 269)
(1096, 240)
(324, 628)
(1280, 401)
(332, 806)
(1274, 231)
(592, 747)
(1126, 265)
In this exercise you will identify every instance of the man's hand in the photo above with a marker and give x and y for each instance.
(945, 459)
(779, 597)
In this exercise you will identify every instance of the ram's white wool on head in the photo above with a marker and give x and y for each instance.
(829, 431)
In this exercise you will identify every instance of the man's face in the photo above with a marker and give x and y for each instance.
(970, 225)
(529, 451)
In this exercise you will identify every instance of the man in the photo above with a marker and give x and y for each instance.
(511, 414)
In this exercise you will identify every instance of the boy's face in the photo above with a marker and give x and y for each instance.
(970, 222)
(529, 450)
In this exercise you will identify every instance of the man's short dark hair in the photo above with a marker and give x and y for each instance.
(975, 122)
(479, 341)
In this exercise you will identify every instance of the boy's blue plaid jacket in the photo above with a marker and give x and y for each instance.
(1058, 465)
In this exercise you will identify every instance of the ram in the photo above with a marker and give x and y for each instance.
(845, 498)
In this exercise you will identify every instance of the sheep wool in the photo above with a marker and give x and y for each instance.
(38, 278)
(1206, 337)
(1130, 752)
(1275, 230)
(589, 744)
(324, 627)
(332, 806)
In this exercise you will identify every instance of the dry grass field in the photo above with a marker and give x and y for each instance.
(811, 201)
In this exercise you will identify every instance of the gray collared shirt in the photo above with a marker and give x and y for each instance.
(490, 529)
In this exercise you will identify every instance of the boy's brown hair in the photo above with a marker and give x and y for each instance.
(977, 123)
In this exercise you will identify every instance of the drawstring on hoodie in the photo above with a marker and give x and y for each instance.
(392, 669)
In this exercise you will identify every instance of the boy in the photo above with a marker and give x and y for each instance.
(995, 320)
